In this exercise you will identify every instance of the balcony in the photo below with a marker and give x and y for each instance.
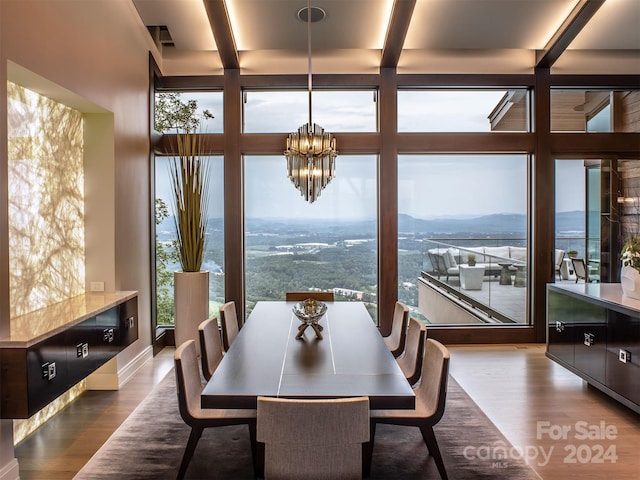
(480, 281)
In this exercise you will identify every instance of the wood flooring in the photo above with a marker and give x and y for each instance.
(537, 404)
(527, 396)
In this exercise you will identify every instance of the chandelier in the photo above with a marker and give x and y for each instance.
(311, 152)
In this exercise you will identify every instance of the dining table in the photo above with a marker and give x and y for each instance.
(266, 359)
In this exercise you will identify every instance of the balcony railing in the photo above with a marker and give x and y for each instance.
(490, 275)
(495, 285)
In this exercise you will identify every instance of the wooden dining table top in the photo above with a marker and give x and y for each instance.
(267, 360)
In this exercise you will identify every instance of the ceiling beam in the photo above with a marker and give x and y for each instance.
(568, 31)
(401, 14)
(221, 27)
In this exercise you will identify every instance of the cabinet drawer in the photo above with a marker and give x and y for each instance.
(590, 349)
(560, 325)
(47, 373)
(129, 321)
(623, 374)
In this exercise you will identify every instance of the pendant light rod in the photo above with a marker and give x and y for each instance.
(310, 152)
(310, 80)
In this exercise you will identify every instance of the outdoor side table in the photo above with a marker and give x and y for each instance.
(471, 277)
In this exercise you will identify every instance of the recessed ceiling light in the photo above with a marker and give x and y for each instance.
(317, 14)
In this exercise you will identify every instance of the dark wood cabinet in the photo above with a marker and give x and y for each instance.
(561, 326)
(34, 373)
(623, 334)
(595, 332)
(590, 339)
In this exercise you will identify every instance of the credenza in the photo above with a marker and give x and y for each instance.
(52, 349)
(594, 331)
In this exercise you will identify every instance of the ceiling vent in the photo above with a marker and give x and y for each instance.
(161, 36)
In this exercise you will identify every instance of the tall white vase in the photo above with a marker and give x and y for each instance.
(630, 281)
(191, 304)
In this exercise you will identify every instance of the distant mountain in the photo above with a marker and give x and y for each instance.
(510, 223)
(303, 226)
(503, 223)
(570, 222)
(506, 224)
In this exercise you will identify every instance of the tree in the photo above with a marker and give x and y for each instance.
(174, 114)
(165, 254)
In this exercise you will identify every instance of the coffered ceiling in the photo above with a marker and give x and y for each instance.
(196, 37)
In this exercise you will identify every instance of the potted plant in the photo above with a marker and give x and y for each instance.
(189, 178)
(189, 175)
(572, 253)
(630, 273)
(471, 260)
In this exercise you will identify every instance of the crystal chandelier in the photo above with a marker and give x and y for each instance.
(311, 152)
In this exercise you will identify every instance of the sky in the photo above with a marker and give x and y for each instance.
(428, 185)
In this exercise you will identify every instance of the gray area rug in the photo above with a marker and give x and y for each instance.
(150, 443)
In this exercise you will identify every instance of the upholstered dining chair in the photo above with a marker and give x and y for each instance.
(189, 387)
(313, 439)
(230, 324)
(396, 339)
(411, 361)
(301, 296)
(210, 346)
(431, 395)
(582, 272)
(558, 263)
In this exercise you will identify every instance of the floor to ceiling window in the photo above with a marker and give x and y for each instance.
(170, 108)
(463, 219)
(570, 236)
(453, 203)
(591, 230)
(462, 230)
(328, 245)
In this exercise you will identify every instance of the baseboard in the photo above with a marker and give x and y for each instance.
(108, 377)
(130, 369)
(10, 471)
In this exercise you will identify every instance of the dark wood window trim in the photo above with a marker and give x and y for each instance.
(388, 143)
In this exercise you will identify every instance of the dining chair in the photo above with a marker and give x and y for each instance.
(558, 263)
(313, 439)
(230, 324)
(411, 361)
(189, 388)
(581, 271)
(210, 346)
(431, 395)
(396, 339)
(301, 296)
(559, 254)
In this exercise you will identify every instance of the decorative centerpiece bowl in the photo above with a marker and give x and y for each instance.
(309, 312)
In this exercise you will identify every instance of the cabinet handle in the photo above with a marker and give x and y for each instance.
(49, 371)
(107, 335)
(589, 339)
(559, 326)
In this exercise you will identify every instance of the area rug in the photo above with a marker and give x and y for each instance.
(150, 443)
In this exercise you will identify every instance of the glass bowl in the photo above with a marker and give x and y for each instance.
(309, 310)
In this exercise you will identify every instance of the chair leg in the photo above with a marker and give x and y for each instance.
(194, 436)
(258, 468)
(432, 444)
(367, 450)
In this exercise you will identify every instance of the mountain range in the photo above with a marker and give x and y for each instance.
(567, 223)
